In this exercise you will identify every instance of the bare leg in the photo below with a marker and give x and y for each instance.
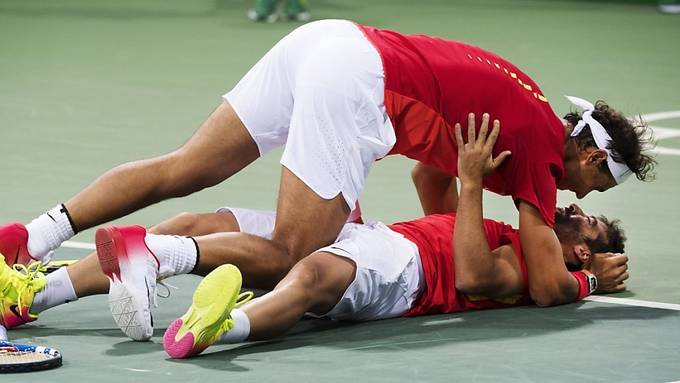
(305, 222)
(87, 276)
(219, 149)
(315, 284)
(262, 262)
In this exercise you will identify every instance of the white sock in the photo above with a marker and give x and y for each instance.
(57, 291)
(48, 231)
(241, 330)
(176, 255)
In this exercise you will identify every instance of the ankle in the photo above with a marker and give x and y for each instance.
(241, 330)
(176, 254)
(48, 231)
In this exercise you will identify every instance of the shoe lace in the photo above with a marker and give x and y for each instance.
(25, 274)
(243, 298)
(167, 287)
(48, 257)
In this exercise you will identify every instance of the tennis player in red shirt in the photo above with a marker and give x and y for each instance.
(407, 268)
(338, 96)
(431, 83)
(441, 263)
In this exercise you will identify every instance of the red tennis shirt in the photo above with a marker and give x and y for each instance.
(433, 234)
(432, 83)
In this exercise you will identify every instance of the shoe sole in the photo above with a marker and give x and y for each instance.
(15, 233)
(108, 251)
(211, 304)
(113, 257)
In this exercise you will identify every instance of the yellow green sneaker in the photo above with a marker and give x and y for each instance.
(208, 317)
(18, 286)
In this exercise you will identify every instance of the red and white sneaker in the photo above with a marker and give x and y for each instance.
(14, 244)
(132, 270)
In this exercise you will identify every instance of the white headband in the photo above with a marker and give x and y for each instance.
(620, 171)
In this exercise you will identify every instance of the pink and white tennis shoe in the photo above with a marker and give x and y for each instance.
(132, 270)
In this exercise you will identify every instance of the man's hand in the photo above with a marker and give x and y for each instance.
(611, 271)
(475, 158)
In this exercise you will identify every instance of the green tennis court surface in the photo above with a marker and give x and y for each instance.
(86, 85)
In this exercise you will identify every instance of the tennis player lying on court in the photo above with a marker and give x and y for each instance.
(375, 272)
(408, 265)
(339, 96)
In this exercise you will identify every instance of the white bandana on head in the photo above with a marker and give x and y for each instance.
(620, 171)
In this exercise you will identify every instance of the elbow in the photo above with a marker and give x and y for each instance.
(424, 174)
(544, 301)
(472, 285)
(464, 285)
(418, 175)
(547, 296)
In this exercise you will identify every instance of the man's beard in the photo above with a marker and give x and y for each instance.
(568, 231)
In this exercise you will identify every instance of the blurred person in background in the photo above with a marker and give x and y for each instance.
(268, 10)
(669, 6)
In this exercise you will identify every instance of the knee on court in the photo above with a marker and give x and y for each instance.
(303, 235)
(295, 249)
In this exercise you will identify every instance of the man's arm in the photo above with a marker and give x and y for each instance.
(478, 270)
(550, 283)
(436, 189)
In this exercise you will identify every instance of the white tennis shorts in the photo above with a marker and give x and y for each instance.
(389, 275)
(320, 92)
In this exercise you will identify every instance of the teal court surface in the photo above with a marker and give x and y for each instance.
(86, 85)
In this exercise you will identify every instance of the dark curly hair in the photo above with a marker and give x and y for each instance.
(631, 140)
(613, 241)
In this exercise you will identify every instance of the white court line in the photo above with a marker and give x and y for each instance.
(78, 245)
(661, 133)
(633, 302)
(651, 117)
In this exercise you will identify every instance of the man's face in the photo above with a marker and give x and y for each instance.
(573, 228)
(584, 176)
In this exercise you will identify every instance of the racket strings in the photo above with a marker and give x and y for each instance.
(17, 357)
(11, 355)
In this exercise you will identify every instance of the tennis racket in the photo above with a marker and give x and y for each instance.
(17, 357)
